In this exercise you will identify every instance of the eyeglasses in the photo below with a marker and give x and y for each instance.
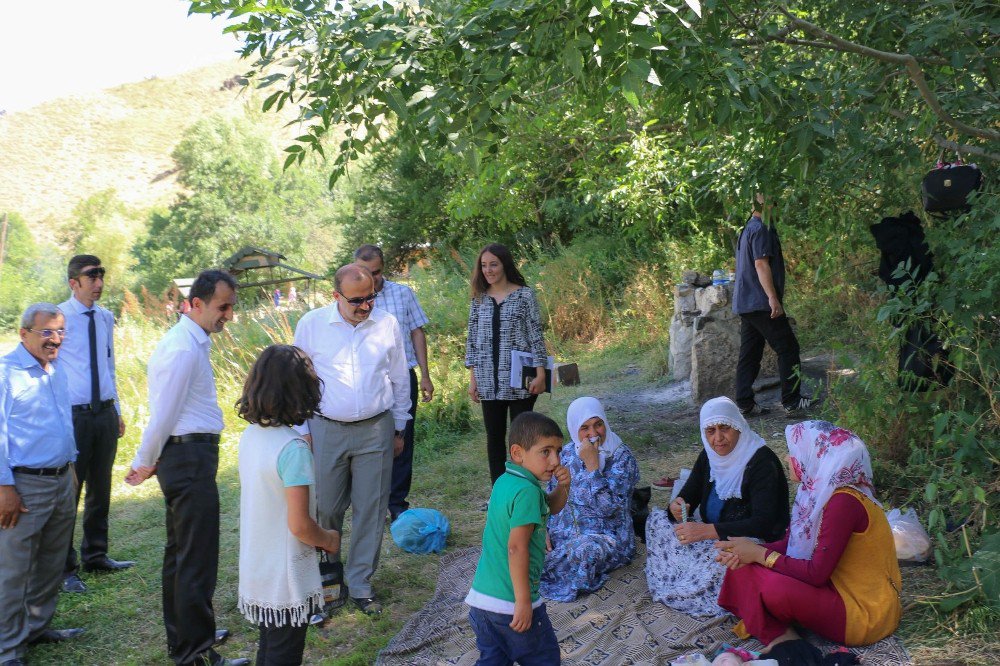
(46, 333)
(93, 273)
(360, 299)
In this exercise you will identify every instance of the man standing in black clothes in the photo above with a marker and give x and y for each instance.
(757, 299)
(88, 359)
(181, 446)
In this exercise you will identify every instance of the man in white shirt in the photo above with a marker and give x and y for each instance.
(88, 359)
(181, 446)
(358, 352)
(400, 301)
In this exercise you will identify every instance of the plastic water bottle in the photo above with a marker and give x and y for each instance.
(719, 277)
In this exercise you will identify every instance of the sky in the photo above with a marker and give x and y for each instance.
(55, 48)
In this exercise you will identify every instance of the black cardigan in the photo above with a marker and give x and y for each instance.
(762, 512)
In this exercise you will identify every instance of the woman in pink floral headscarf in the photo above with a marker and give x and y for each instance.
(835, 572)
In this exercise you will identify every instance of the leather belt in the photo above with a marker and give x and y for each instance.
(194, 438)
(42, 471)
(101, 406)
(352, 423)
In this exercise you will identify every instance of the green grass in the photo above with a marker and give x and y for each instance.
(122, 611)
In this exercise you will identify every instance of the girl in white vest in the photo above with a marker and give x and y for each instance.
(279, 570)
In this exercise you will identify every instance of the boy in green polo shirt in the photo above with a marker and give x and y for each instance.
(506, 613)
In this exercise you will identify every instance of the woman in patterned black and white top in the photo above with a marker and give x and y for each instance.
(503, 316)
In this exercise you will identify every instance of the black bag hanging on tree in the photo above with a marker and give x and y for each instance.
(947, 187)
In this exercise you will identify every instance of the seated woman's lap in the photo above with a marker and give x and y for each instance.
(769, 602)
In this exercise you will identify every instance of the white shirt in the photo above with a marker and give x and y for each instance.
(363, 367)
(74, 353)
(182, 397)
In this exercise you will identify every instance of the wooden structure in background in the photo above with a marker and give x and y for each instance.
(249, 259)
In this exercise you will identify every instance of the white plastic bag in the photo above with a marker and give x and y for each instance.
(913, 544)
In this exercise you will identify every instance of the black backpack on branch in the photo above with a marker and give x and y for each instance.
(948, 187)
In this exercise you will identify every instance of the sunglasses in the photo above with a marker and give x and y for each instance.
(93, 273)
(46, 333)
(359, 300)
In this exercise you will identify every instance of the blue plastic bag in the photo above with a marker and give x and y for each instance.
(420, 531)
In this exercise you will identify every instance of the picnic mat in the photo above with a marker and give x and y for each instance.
(617, 625)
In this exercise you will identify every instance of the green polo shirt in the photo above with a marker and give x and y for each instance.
(518, 499)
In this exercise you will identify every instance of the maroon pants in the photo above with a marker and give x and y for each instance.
(769, 602)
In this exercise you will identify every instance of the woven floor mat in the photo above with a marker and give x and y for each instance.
(617, 625)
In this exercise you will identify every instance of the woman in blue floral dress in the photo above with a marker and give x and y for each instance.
(593, 535)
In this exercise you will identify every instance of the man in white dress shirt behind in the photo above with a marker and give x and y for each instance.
(88, 359)
(358, 352)
(181, 446)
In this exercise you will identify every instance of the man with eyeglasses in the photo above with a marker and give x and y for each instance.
(358, 352)
(400, 301)
(88, 359)
(37, 484)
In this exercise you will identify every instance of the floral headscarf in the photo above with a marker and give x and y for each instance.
(827, 458)
(727, 471)
(582, 410)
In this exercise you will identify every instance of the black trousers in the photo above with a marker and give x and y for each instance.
(402, 465)
(496, 415)
(756, 329)
(191, 555)
(281, 646)
(97, 443)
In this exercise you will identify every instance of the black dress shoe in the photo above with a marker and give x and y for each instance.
(57, 635)
(106, 564)
(367, 605)
(73, 584)
(221, 636)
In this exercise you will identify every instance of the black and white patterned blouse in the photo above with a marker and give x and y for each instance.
(496, 329)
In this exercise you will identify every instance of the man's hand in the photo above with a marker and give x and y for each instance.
(121, 426)
(426, 388)
(136, 476)
(11, 507)
(589, 455)
(776, 309)
(522, 616)
(397, 445)
(332, 544)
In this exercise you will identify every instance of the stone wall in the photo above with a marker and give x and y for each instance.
(705, 341)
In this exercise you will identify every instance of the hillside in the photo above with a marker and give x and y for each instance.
(61, 152)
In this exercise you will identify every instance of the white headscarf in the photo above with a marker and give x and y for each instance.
(827, 458)
(582, 410)
(727, 470)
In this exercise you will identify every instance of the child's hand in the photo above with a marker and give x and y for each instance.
(561, 475)
(332, 544)
(522, 616)
(548, 543)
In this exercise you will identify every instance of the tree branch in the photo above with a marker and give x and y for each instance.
(905, 60)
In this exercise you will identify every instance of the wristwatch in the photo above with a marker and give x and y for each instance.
(400, 433)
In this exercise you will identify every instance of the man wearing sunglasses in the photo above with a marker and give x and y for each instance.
(88, 359)
(37, 484)
(400, 301)
(357, 350)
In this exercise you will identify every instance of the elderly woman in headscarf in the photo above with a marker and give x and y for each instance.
(739, 485)
(835, 571)
(593, 534)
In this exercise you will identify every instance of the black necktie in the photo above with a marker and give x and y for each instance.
(95, 381)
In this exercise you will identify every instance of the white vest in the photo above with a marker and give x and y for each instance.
(279, 575)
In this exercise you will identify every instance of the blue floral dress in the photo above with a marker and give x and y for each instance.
(593, 534)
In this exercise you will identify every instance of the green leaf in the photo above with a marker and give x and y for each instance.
(573, 60)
